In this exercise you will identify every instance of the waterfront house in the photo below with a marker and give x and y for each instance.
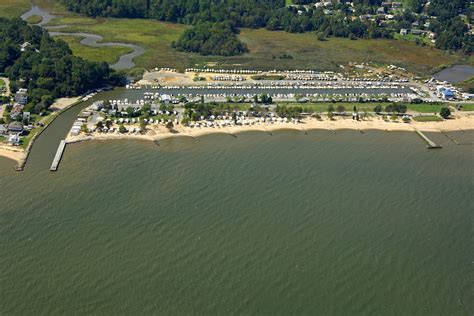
(16, 111)
(15, 128)
(14, 139)
(3, 130)
(21, 96)
(24, 46)
(26, 116)
(418, 32)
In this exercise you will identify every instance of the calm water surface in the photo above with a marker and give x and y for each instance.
(456, 73)
(345, 224)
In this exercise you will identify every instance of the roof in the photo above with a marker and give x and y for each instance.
(447, 92)
(15, 126)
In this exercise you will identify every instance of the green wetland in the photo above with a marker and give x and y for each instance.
(337, 224)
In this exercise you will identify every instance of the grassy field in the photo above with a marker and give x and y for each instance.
(154, 36)
(308, 52)
(431, 118)
(369, 107)
(320, 107)
(13, 8)
(34, 19)
(468, 107)
(107, 54)
(413, 38)
(265, 46)
(425, 107)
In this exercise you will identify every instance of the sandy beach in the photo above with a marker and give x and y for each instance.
(14, 153)
(63, 103)
(155, 133)
(159, 132)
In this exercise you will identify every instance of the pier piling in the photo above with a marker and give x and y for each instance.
(431, 144)
(58, 156)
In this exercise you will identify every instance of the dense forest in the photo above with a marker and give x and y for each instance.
(449, 25)
(32, 59)
(211, 39)
(274, 15)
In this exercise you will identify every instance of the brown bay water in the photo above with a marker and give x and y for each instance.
(340, 224)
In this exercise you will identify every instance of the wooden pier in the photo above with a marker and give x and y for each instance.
(58, 156)
(431, 144)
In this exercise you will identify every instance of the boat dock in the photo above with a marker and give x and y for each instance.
(58, 156)
(431, 144)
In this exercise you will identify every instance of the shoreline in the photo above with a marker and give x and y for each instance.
(12, 153)
(20, 155)
(157, 133)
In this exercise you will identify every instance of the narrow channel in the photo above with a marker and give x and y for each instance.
(92, 40)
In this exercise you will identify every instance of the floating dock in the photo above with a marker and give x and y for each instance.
(431, 144)
(58, 156)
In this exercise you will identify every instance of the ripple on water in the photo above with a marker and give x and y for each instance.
(282, 224)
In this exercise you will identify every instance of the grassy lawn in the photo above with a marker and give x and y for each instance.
(323, 106)
(413, 38)
(468, 107)
(425, 107)
(349, 106)
(34, 19)
(107, 54)
(13, 8)
(431, 118)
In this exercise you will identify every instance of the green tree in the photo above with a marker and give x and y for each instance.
(146, 109)
(130, 111)
(122, 128)
(445, 112)
(143, 125)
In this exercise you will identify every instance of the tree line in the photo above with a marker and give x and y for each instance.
(32, 59)
(274, 15)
